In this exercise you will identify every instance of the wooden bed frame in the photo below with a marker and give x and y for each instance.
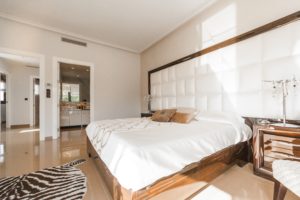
(204, 170)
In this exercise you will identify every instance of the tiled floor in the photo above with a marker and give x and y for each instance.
(24, 153)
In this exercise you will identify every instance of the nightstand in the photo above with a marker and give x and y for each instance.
(146, 114)
(273, 143)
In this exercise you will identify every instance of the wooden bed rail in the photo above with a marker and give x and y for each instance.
(205, 170)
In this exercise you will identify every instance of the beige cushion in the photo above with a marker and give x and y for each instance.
(163, 115)
(184, 118)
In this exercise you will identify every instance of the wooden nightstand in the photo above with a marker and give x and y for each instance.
(146, 114)
(271, 143)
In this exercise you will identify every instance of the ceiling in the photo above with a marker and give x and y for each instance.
(25, 60)
(132, 25)
(70, 71)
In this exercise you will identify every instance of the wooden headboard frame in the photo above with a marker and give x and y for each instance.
(262, 29)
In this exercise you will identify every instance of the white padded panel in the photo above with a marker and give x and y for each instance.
(201, 102)
(247, 104)
(156, 78)
(180, 88)
(186, 101)
(156, 103)
(296, 38)
(228, 58)
(271, 105)
(156, 90)
(284, 68)
(277, 43)
(165, 75)
(214, 102)
(172, 102)
(190, 87)
(250, 78)
(201, 68)
(246, 57)
(168, 89)
(293, 105)
(230, 81)
(231, 78)
(186, 69)
(208, 84)
(172, 73)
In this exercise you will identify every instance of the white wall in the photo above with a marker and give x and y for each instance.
(3, 66)
(19, 90)
(239, 16)
(117, 72)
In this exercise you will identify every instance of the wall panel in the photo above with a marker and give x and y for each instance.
(231, 78)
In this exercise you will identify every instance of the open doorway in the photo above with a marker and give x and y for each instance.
(19, 105)
(74, 95)
(3, 100)
(36, 102)
(85, 104)
(18, 93)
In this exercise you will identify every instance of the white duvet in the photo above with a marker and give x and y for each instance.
(138, 151)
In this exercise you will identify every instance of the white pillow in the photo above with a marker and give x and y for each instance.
(220, 116)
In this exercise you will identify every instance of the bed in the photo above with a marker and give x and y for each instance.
(139, 158)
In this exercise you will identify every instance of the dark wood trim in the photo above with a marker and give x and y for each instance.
(205, 170)
(20, 126)
(262, 29)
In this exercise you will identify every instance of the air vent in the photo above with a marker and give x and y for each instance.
(76, 42)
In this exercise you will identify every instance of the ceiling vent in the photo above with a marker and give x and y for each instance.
(72, 41)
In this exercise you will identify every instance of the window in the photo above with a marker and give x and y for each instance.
(70, 92)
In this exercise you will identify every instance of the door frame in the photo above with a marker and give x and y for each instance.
(42, 76)
(56, 103)
(7, 74)
(31, 99)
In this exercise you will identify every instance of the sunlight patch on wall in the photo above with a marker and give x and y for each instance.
(226, 26)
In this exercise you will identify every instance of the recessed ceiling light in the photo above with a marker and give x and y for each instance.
(73, 68)
(77, 75)
(87, 70)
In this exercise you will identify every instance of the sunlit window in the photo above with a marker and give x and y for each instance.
(70, 92)
(36, 89)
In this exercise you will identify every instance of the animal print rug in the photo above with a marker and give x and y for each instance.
(62, 182)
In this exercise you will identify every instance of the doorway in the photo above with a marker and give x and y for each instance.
(74, 96)
(17, 66)
(3, 100)
(66, 97)
(36, 102)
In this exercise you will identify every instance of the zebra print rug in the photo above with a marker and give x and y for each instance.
(62, 182)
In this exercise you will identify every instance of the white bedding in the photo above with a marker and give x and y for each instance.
(138, 151)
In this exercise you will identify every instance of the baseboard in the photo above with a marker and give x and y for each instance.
(20, 126)
(48, 138)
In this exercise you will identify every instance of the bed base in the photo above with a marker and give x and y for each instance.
(205, 170)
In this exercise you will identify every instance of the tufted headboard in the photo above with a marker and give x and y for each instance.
(229, 75)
